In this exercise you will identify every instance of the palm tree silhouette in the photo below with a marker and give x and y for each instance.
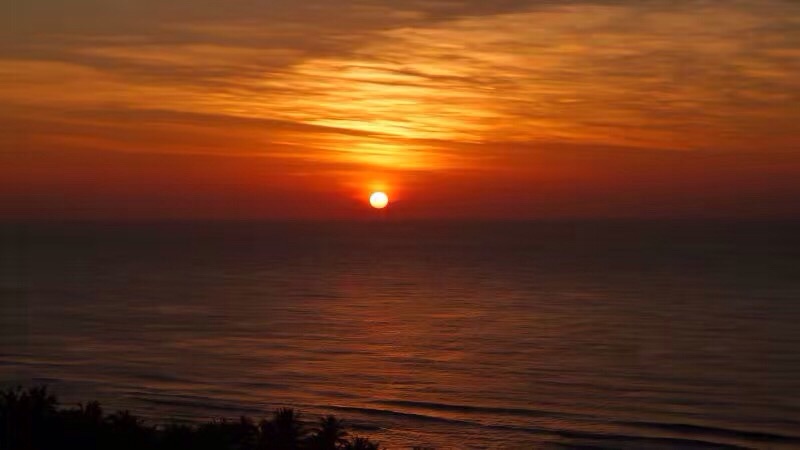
(22, 414)
(329, 434)
(360, 443)
(283, 432)
(30, 419)
(128, 432)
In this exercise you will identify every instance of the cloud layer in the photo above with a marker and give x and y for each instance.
(367, 86)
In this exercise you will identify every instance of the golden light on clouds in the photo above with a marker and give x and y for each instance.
(418, 88)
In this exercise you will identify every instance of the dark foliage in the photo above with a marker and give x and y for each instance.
(30, 419)
(330, 434)
(360, 443)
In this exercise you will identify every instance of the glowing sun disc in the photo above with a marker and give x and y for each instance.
(378, 200)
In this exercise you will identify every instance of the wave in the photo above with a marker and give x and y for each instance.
(594, 437)
(488, 409)
(200, 403)
(758, 436)
(696, 436)
(704, 430)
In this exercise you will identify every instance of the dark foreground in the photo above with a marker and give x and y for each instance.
(32, 420)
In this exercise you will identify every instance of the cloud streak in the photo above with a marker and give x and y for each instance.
(369, 86)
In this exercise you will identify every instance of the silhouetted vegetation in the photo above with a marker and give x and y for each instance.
(31, 419)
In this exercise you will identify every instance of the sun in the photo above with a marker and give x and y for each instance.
(379, 200)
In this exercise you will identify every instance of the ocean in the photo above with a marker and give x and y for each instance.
(451, 334)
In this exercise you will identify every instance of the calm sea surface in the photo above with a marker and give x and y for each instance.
(454, 335)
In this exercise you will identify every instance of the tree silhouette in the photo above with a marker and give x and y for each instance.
(83, 426)
(283, 432)
(224, 434)
(361, 443)
(32, 420)
(22, 413)
(329, 434)
(128, 432)
(91, 413)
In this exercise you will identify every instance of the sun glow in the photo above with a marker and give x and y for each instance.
(378, 200)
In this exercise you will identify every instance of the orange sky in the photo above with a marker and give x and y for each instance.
(284, 109)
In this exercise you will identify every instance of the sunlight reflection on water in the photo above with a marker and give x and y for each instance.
(439, 334)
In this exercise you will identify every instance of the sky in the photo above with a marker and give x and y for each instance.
(245, 109)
